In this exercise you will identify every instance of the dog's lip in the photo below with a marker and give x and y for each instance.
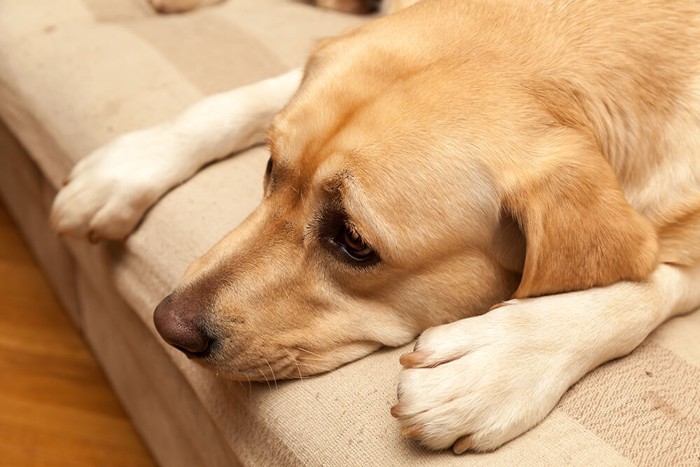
(270, 369)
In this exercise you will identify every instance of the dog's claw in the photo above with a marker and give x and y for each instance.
(413, 359)
(93, 237)
(463, 444)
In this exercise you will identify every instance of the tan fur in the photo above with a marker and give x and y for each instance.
(486, 150)
(569, 119)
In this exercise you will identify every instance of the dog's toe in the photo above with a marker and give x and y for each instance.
(109, 191)
(478, 383)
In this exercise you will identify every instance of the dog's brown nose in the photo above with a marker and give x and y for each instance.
(182, 327)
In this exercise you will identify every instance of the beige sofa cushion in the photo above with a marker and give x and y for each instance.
(75, 73)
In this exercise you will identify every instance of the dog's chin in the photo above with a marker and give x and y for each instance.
(293, 363)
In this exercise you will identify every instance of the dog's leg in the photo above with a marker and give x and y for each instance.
(480, 382)
(108, 192)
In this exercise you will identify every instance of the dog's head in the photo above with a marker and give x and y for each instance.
(406, 188)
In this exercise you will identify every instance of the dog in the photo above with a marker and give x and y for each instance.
(516, 182)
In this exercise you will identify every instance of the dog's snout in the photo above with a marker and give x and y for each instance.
(182, 327)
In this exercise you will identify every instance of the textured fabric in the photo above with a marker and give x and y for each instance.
(655, 405)
(75, 73)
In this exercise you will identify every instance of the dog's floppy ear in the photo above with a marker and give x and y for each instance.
(580, 232)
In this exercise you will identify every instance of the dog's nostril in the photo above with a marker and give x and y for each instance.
(189, 353)
(192, 346)
(182, 328)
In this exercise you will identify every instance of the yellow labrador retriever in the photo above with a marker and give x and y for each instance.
(537, 158)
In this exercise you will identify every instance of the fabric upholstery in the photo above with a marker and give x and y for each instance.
(75, 73)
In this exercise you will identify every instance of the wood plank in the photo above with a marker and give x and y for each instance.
(56, 406)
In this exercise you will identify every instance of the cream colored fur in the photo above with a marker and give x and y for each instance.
(538, 157)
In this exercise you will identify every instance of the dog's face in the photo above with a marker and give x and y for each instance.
(395, 200)
(373, 227)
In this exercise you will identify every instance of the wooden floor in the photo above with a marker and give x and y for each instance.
(56, 407)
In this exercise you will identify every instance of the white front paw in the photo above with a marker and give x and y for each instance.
(109, 191)
(478, 383)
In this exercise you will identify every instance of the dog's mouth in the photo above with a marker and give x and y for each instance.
(296, 362)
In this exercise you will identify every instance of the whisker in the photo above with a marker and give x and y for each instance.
(324, 360)
(295, 362)
(271, 371)
(301, 376)
(265, 378)
(309, 352)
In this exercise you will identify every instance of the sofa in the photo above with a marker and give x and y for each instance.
(76, 73)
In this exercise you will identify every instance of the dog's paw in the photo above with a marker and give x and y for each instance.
(180, 6)
(109, 191)
(480, 382)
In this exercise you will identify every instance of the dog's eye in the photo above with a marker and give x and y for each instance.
(353, 245)
(268, 169)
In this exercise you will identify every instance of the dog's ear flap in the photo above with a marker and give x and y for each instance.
(580, 232)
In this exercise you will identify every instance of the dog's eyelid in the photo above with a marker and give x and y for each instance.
(358, 225)
(338, 212)
(359, 228)
(355, 229)
(355, 222)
